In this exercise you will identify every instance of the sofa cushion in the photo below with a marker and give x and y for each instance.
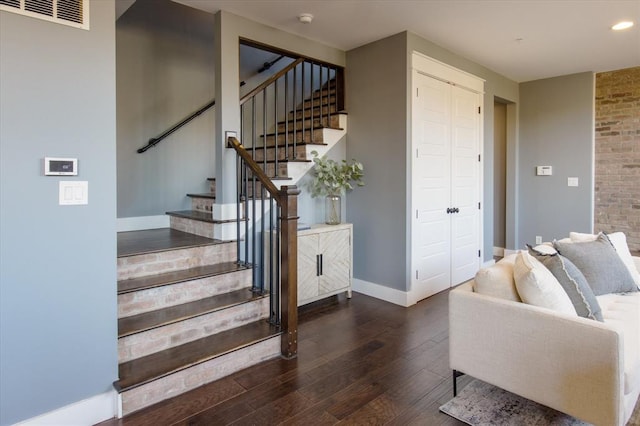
(573, 282)
(602, 267)
(537, 286)
(619, 241)
(623, 312)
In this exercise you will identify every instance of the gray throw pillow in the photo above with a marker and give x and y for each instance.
(600, 264)
(573, 282)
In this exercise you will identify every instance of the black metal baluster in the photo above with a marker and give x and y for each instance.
(311, 113)
(295, 110)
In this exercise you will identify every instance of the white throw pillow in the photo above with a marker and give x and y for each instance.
(497, 281)
(619, 241)
(537, 286)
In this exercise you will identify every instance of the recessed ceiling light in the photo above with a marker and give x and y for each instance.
(622, 25)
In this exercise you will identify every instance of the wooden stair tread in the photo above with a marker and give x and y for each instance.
(210, 195)
(199, 215)
(285, 160)
(151, 367)
(154, 319)
(132, 243)
(283, 145)
(302, 130)
(168, 278)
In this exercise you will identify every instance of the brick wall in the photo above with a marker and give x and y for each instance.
(617, 154)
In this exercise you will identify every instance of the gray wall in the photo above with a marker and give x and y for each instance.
(379, 102)
(57, 263)
(556, 129)
(499, 174)
(376, 84)
(165, 71)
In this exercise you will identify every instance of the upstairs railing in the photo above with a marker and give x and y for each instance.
(277, 119)
(285, 111)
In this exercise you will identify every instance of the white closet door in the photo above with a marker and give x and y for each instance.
(431, 234)
(465, 184)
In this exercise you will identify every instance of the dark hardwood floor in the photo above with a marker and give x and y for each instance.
(360, 361)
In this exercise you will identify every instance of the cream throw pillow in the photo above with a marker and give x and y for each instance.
(619, 241)
(537, 286)
(497, 280)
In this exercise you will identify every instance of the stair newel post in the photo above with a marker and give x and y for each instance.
(289, 280)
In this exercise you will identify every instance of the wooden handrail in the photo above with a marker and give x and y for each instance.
(234, 143)
(269, 81)
(287, 200)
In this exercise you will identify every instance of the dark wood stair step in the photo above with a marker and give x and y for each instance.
(208, 195)
(307, 112)
(199, 215)
(168, 278)
(160, 364)
(134, 243)
(305, 131)
(149, 320)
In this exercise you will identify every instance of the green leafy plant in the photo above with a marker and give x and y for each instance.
(333, 178)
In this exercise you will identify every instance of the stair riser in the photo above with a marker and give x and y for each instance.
(306, 113)
(138, 302)
(270, 170)
(324, 101)
(330, 121)
(173, 260)
(300, 151)
(202, 204)
(301, 136)
(171, 335)
(198, 375)
(204, 229)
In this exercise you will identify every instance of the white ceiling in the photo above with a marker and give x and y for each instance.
(520, 39)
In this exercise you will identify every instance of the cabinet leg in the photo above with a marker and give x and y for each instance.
(349, 294)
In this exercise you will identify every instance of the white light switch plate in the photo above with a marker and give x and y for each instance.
(572, 181)
(73, 192)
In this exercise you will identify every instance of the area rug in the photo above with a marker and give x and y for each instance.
(482, 404)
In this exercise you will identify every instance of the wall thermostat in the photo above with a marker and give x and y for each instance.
(544, 171)
(60, 166)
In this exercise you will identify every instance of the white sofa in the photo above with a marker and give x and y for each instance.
(579, 366)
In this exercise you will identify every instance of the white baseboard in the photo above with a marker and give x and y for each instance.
(86, 412)
(140, 223)
(381, 292)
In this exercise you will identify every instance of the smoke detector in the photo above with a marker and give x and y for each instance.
(305, 18)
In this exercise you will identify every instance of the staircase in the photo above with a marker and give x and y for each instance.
(187, 314)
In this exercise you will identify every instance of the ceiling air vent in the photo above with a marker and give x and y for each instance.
(74, 13)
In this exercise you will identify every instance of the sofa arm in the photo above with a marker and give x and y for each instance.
(636, 260)
(572, 364)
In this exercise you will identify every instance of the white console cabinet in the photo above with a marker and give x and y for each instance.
(324, 262)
